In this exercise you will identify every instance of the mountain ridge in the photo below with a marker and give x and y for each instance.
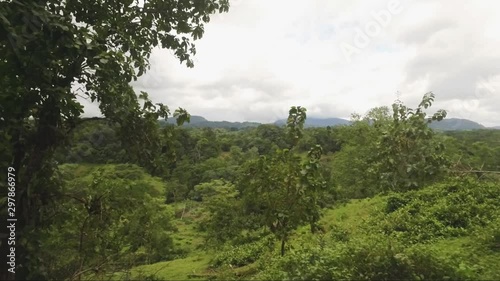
(449, 124)
(318, 122)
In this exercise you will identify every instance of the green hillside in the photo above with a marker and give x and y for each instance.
(363, 229)
(384, 198)
(106, 175)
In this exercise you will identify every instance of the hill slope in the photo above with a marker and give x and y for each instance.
(422, 227)
(457, 124)
(201, 122)
(451, 124)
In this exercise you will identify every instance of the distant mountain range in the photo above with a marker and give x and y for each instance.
(318, 122)
(450, 124)
(456, 124)
(201, 122)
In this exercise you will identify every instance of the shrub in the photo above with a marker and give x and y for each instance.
(489, 236)
(395, 202)
(337, 233)
(449, 209)
(372, 258)
(240, 255)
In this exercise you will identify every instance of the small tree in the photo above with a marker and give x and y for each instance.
(281, 189)
(408, 155)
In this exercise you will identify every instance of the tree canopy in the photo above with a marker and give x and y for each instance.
(52, 52)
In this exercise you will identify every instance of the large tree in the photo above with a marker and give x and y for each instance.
(51, 52)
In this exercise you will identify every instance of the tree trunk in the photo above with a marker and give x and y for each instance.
(28, 160)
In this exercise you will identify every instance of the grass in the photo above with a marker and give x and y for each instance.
(466, 252)
(193, 267)
(187, 234)
(128, 172)
(352, 215)
(346, 217)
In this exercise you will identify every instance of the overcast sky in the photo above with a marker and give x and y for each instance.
(336, 57)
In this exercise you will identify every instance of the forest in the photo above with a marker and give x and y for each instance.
(134, 196)
(386, 198)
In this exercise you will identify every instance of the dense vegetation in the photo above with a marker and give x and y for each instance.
(134, 197)
(452, 124)
(52, 52)
(381, 199)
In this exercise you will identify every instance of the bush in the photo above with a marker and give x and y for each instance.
(371, 258)
(489, 236)
(337, 233)
(395, 202)
(427, 266)
(240, 255)
(311, 263)
(448, 209)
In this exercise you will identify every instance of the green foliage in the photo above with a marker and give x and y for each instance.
(207, 145)
(326, 137)
(265, 138)
(186, 175)
(295, 124)
(104, 222)
(266, 181)
(94, 141)
(242, 254)
(408, 157)
(395, 202)
(488, 237)
(337, 233)
(474, 150)
(90, 222)
(359, 244)
(389, 153)
(175, 191)
(225, 220)
(46, 47)
(280, 190)
(447, 209)
(351, 163)
(373, 257)
(214, 190)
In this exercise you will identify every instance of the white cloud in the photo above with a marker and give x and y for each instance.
(262, 57)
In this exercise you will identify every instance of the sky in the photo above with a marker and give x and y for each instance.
(336, 57)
